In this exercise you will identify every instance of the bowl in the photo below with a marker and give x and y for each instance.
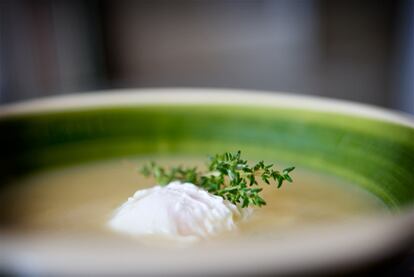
(367, 146)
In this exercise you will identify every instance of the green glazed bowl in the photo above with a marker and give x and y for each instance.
(367, 146)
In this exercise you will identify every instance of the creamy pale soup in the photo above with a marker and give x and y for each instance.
(83, 198)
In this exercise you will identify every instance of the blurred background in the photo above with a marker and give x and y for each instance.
(355, 50)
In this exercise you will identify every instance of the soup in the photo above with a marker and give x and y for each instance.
(83, 198)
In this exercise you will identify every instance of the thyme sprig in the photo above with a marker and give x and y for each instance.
(228, 176)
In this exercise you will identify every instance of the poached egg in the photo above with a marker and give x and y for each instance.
(177, 211)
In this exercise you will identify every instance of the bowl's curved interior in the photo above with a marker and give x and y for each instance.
(377, 155)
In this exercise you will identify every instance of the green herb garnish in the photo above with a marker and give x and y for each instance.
(228, 176)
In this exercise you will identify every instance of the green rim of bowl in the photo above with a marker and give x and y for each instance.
(374, 154)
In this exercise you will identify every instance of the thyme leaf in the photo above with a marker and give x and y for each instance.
(228, 176)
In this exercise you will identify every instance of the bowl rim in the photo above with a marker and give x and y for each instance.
(204, 96)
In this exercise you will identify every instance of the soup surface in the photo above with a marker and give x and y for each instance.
(82, 199)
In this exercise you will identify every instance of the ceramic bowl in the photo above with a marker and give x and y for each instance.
(366, 146)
